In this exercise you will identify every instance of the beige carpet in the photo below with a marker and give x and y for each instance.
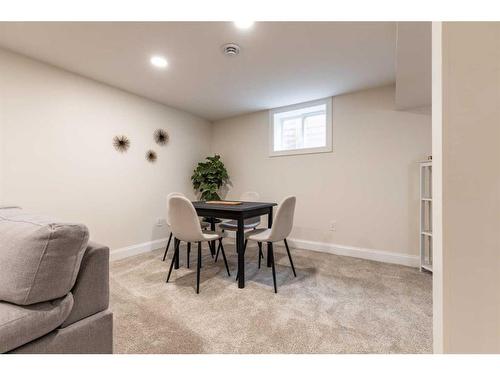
(335, 305)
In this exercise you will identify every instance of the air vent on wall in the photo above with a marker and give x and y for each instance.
(231, 49)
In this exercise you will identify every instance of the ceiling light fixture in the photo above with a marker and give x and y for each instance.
(243, 24)
(158, 61)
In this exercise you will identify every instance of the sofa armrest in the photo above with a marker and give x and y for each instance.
(91, 290)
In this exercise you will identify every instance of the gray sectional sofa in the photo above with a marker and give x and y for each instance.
(54, 287)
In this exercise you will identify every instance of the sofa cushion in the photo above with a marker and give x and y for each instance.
(91, 290)
(39, 257)
(22, 324)
(92, 335)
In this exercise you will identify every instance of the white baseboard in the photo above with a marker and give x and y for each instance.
(351, 251)
(357, 252)
(145, 247)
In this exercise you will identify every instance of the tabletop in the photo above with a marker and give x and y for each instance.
(245, 210)
(244, 206)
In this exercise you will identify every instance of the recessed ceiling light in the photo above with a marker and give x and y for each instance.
(159, 61)
(243, 24)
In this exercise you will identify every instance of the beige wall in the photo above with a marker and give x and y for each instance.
(57, 157)
(368, 185)
(470, 248)
(56, 133)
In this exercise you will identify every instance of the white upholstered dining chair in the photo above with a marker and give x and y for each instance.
(204, 225)
(186, 227)
(281, 228)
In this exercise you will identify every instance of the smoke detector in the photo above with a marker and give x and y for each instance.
(231, 49)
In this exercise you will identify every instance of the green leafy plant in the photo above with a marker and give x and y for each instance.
(209, 177)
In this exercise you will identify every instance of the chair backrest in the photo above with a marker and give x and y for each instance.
(283, 222)
(250, 196)
(168, 205)
(183, 219)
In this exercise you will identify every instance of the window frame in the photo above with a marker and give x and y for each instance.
(299, 151)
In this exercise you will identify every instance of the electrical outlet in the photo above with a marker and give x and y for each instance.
(333, 226)
(160, 222)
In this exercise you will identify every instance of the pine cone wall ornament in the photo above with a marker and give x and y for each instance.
(151, 156)
(161, 137)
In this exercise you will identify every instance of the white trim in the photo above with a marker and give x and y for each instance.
(357, 252)
(316, 150)
(141, 248)
(322, 247)
(351, 251)
(438, 281)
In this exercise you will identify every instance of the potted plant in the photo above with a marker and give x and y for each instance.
(209, 177)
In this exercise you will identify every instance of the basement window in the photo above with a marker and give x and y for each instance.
(301, 129)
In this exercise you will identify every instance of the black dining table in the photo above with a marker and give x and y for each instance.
(238, 212)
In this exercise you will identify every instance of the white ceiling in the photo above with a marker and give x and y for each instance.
(280, 63)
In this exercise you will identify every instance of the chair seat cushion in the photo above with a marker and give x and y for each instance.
(39, 256)
(259, 235)
(212, 235)
(248, 224)
(22, 324)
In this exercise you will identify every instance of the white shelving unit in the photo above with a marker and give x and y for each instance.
(426, 215)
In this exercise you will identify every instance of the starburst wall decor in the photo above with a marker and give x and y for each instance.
(161, 137)
(151, 156)
(121, 143)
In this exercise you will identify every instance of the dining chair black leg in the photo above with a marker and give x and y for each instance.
(245, 246)
(188, 253)
(217, 254)
(177, 244)
(271, 257)
(224, 256)
(260, 252)
(198, 270)
(168, 244)
(171, 266)
(212, 248)
(290, 257)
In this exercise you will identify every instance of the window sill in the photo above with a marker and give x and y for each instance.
(304, 151)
